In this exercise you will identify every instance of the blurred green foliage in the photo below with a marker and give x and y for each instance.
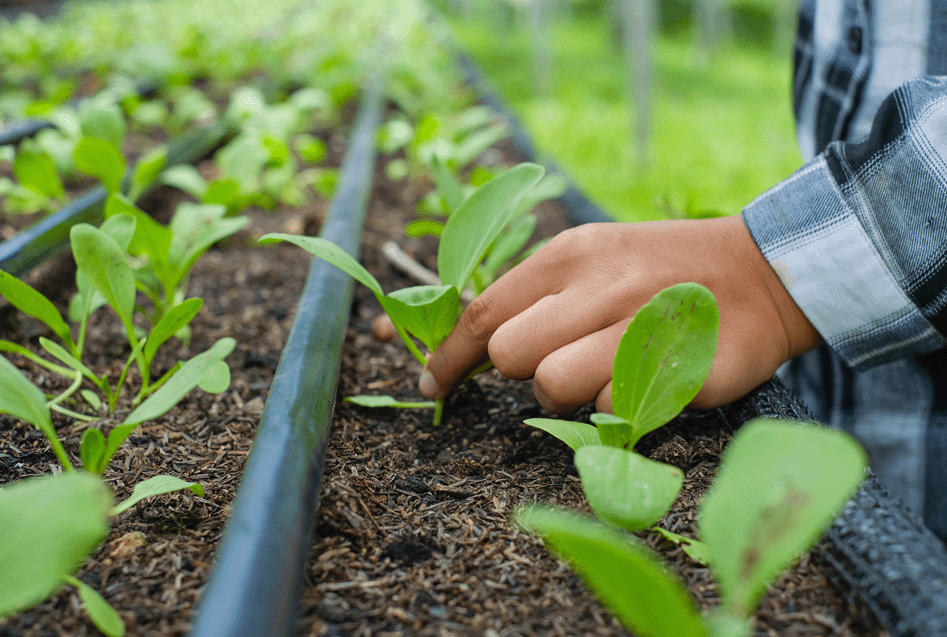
(722, 131)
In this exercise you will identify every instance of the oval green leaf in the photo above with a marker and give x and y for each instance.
(102, 160)
(155, 486)
(104, 264)
(429, 312)
(664, 356)
(626, 577)
(574, 434)
(50, 525)
(388, 401)
(780, 484)
(37, 171)
(99, 611)
(625, 488)
(91, 448)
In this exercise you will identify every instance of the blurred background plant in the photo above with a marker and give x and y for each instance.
(687, 116)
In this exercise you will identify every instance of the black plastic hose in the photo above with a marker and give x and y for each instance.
(48, 237)
(256, 583)
(889, 561)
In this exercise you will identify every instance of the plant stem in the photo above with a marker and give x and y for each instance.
(72, 414)
(438, 411)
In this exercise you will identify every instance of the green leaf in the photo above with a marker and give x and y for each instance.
(170, 324)
(509, 243)
(388, 401)
(92, 398)
(780, 484)
(429, 312)
(50, 525)
(58, 352)
(614, 431)
(186, 378)
(178, 386)
(574, 434)
(243, 160)
(695, 549)
(664, 356)
(102, 160)
(37, 171)
(328, 251)
(625, 576)
(448, 186)
(472, 228)
(423, 228)
(120, 227)
(625, 488)
(217, 378)
(147, 170)
(99, 611)
(194, 229)
(157, 485)
(91, 448)
(105, 122)
(104, 264)
(225, 192)
(30, 302)
(471, 146)
(150, 237)
(186, 178)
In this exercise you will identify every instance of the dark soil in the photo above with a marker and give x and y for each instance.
(413, 536)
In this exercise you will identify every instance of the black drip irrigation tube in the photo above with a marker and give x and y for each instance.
(889, 561)
(256, 582)
(48, 237)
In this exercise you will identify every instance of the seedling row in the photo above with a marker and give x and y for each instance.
(473, 216)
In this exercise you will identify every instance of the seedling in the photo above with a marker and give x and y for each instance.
(663, 358)
(779, 486)
(50, 525)
(429, 312)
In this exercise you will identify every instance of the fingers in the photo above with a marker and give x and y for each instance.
(555, 322)
(465, 348)
(576, 373)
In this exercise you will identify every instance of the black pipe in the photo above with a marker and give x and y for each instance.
(256, 583)
(48, 237)
(21, 129)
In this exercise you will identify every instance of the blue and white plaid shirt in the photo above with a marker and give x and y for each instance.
(859, 234)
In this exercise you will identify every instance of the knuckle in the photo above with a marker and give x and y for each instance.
(477, 320)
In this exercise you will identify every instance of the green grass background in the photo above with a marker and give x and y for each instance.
(722, 129)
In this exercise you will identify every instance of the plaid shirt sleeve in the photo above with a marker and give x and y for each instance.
(859, 234)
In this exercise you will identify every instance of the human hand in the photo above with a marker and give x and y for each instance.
(558, 316)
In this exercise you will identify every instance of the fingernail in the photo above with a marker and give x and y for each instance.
(428, 384)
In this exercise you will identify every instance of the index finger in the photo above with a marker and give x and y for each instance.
(465, 348)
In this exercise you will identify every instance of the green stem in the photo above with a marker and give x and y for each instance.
(438, 411)
(69, 392)
(411, 346)
(72, 414)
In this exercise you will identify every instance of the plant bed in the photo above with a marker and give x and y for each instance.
(412, 534)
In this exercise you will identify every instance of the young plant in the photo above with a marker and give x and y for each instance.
(50, 525)
(779, 486)
(103, 273)
(163, 256)
(663, 359)
(38, 187)
(429, 312)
